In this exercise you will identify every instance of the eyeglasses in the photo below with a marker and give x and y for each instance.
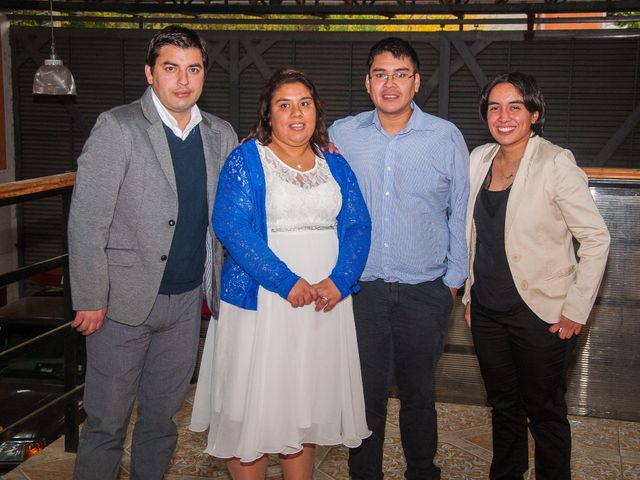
(396, 77)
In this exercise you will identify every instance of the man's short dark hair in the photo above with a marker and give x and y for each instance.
(397, 47)
(528, 88)
(180, 37)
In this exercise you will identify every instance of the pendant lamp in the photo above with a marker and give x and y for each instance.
(53, 78)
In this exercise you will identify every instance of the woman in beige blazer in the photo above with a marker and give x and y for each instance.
(527, 294)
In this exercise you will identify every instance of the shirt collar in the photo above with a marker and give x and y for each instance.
(172, 123)
(418, 120)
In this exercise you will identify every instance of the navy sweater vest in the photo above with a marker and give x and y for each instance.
(185, 264)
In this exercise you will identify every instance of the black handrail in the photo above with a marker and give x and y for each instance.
(67, 397)
(32, 342)
(24, 191)
(30, 270)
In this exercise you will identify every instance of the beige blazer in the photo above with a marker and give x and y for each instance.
(549, 204)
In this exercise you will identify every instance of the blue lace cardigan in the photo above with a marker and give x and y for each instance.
(240, 222)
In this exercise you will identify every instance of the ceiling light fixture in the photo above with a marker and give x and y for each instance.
(53, 78)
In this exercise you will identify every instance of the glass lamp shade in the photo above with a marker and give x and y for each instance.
(53, 78)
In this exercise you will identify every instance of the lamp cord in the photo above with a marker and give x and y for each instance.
(53, 42)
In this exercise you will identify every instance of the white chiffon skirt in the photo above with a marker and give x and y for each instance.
(273, 379)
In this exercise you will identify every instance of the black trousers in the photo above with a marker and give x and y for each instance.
(401, 327)
(524, 368)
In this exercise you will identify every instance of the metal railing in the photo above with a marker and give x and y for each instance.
(24, 191)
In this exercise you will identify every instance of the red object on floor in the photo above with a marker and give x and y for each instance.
(52, 278)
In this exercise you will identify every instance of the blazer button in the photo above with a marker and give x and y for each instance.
(163, 258)
(524, 284)
(516, 257)
(172, 223)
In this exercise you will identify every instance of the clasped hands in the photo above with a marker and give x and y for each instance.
(324, 294)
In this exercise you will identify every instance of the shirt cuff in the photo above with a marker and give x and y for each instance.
(451, 282)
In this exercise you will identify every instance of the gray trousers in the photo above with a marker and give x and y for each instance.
(153, 362)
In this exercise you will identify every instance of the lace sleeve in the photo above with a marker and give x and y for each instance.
(354, 227)
(237, 223)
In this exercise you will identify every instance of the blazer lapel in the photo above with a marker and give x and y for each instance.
(158, 138)
(518, 188)
(211, 144)
(483, 169)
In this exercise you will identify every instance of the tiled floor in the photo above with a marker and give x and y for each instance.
(602, 450)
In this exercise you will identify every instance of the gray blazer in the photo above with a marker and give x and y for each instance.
(123, 202)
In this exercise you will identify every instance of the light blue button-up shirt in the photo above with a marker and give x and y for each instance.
(416, 186)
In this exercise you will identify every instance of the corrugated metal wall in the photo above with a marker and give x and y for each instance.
(605, 379)
(591, 84)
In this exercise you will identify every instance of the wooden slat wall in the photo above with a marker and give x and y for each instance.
(591, 84)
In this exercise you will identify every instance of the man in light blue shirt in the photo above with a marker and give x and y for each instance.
(412, 169)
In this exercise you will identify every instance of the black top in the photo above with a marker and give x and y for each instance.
(185, 265)
(493, 285)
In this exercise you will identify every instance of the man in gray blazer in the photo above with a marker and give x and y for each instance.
(142, 254)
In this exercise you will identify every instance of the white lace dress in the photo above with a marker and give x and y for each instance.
(273, 379)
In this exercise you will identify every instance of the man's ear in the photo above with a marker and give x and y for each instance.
(149, 74)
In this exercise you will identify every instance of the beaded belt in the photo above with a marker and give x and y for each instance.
(301, 229)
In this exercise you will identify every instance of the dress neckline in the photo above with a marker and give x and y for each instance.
(284, 164)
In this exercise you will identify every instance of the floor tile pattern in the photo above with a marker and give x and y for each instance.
(603, 449)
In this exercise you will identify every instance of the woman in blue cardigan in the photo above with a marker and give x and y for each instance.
(282, 374)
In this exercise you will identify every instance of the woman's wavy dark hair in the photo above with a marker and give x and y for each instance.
(262, 129)
(528, 88)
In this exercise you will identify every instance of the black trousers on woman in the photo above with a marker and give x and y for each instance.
(524, 369)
